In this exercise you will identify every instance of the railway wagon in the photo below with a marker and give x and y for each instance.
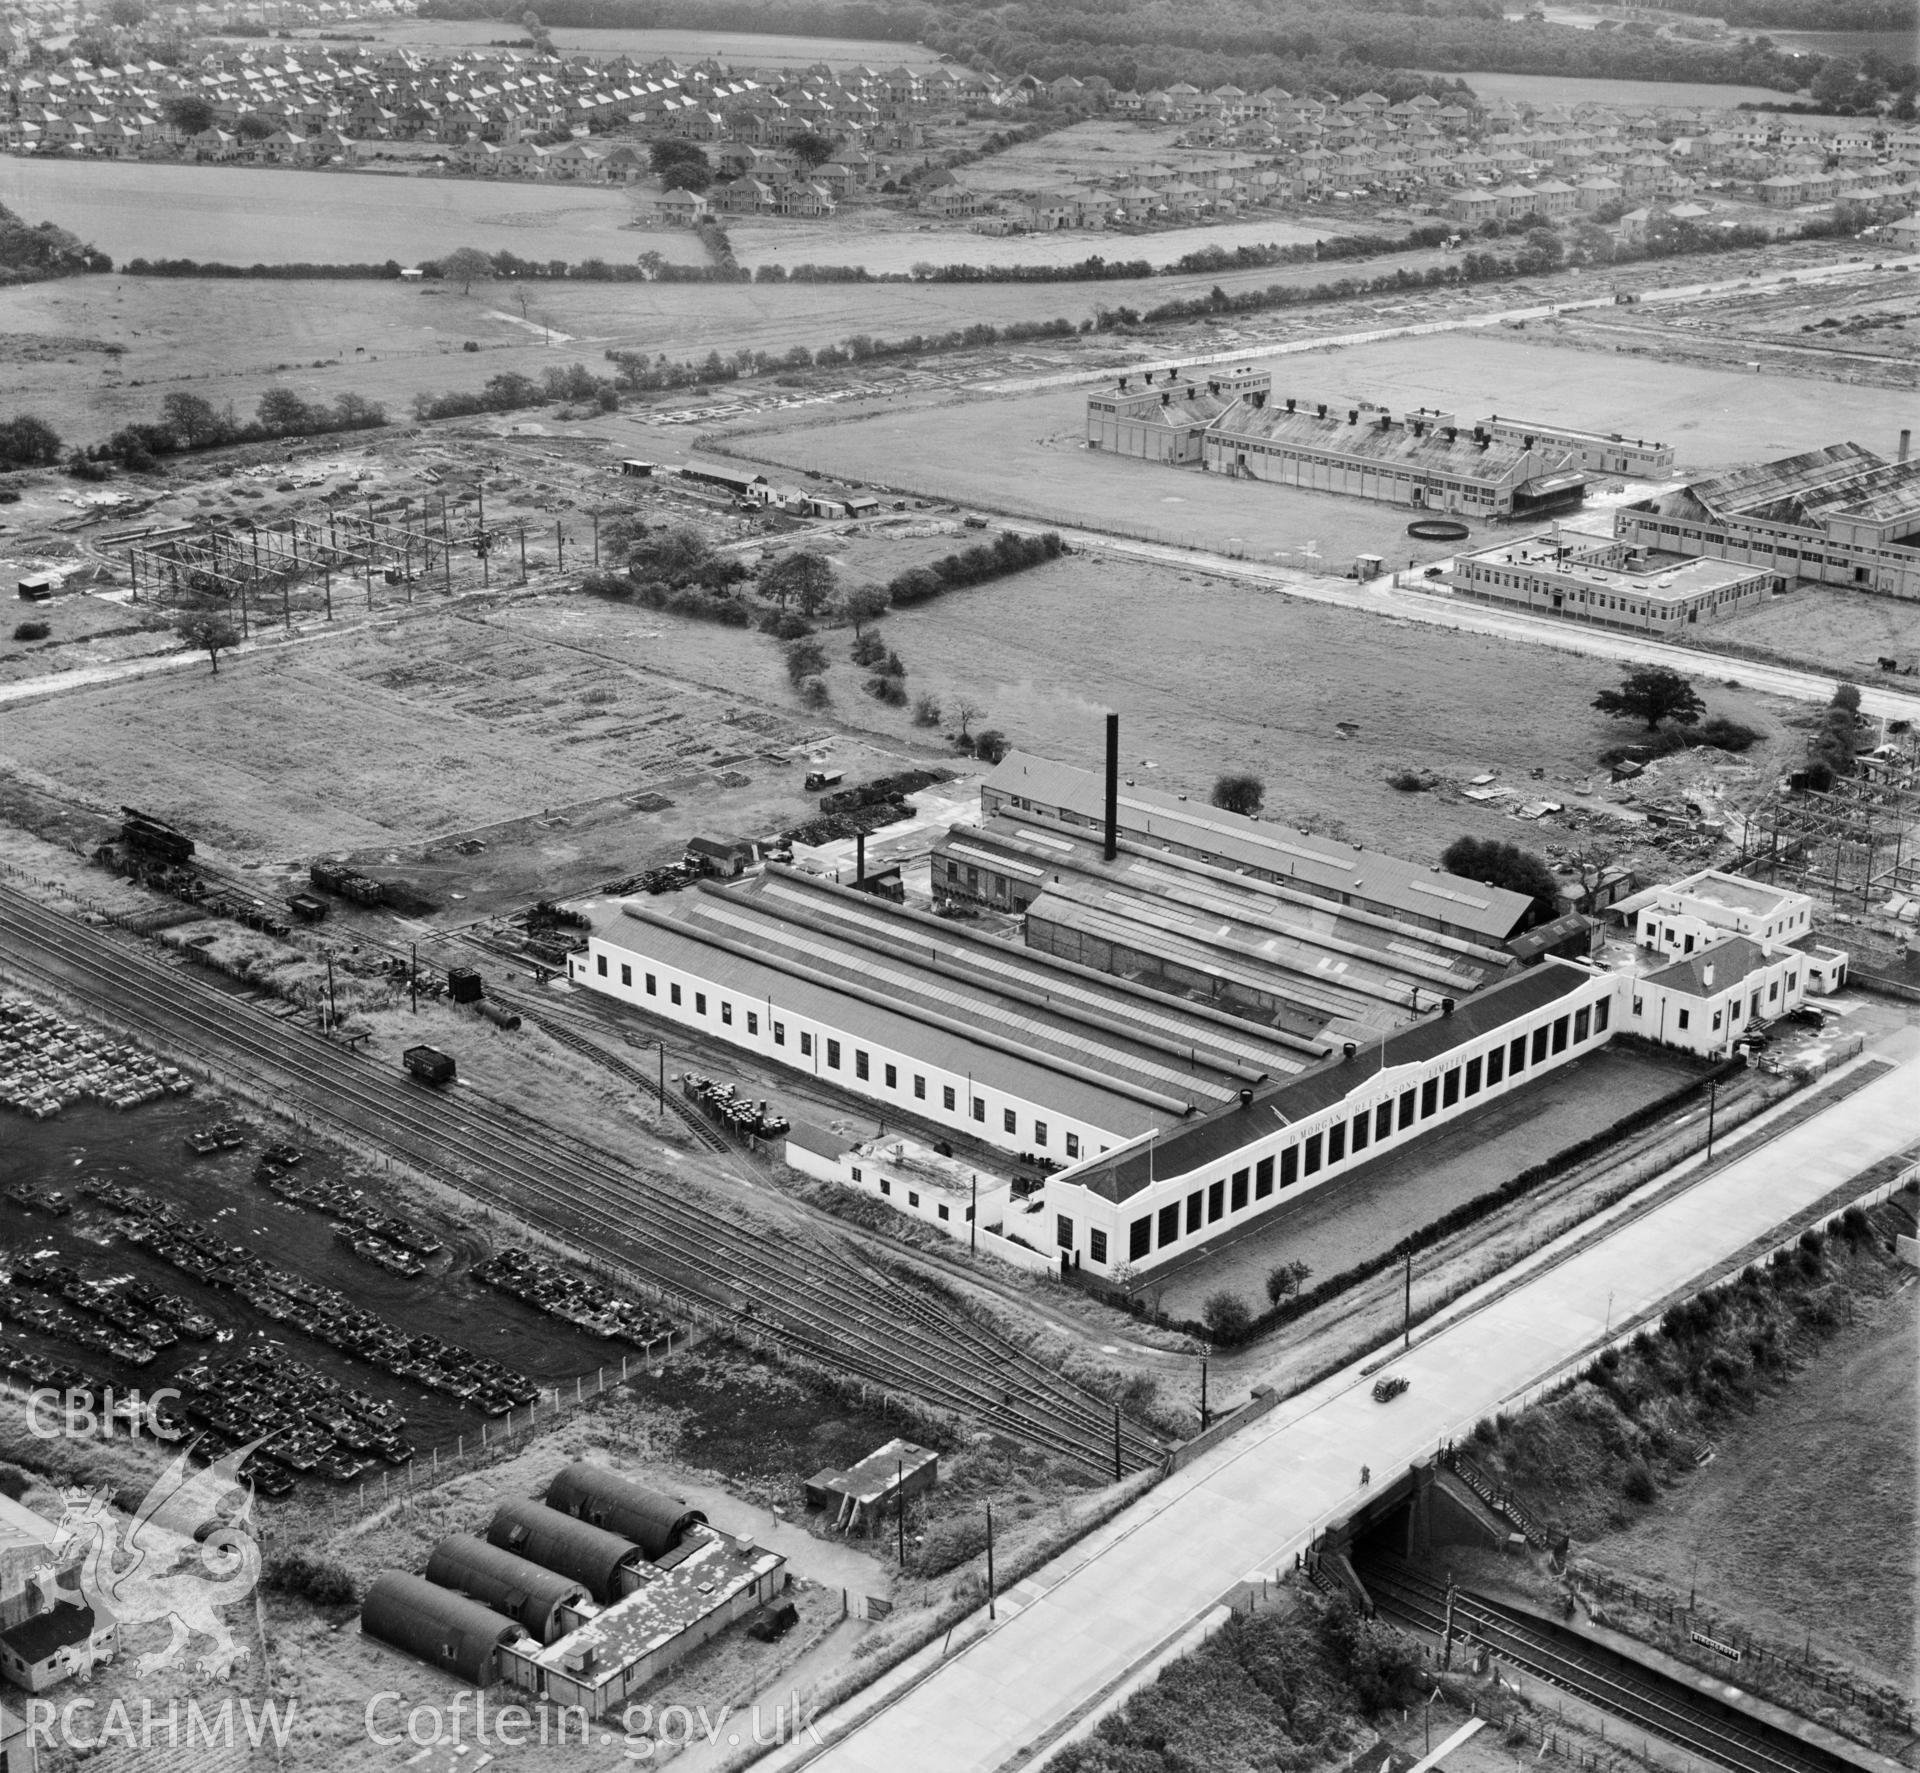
(155, 839)
(429, 1064)
(346, 883)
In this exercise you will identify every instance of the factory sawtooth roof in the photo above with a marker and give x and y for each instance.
(1802, 491)
(1448, 449)
(1115, 1056)
(1491, 914)
(1214, 1139)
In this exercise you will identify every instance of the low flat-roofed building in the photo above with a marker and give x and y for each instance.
(1424, 461)
(1164, 1196)
(1012, 1047)
(1683, 915)
(713, 1580)
(1840, 515)
(1364, 880)
(1609, 583)
(1598, 452)
(46, 1649)
(871, 1487)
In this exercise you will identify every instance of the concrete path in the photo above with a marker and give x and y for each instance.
(1105, 1615)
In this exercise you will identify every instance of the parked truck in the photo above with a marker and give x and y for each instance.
(429, 1064)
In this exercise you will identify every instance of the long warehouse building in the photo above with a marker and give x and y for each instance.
(1340, 873)
(1168, 1194)
(1016, 1048)
(1258, 949)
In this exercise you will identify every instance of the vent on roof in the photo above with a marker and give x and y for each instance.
(1290, 403)
(1353, 415)
(1323, 409)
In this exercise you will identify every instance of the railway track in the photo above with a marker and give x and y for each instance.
(810, 1295)
(1641, 1696)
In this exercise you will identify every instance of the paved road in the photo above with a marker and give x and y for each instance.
(1104, 1614)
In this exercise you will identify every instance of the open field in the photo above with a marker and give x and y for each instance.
(745, 49)
(891, 240)
(1024, 453)
(405, 735)
(1805, 1522)
(1211, 674)
(1663, 95)
(55, 338)
(254, 215)
(1839, 629)
(1101, 148)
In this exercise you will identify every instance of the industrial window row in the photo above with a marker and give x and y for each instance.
(833, 1053)
(1346, 1138)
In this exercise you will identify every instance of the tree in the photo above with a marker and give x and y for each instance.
(1286, 1279)
(1653, 693)
(466, 266)
(193, 421)
(1226, 1316)
(865, 603)
(810, 147)
(541, 37)
(805, 658)
(991, 745)
(805, 577)
(253, 129)
(680, 166)
(189, 113)
(284, 413)
(669, 556)
(1239, 794)
(209, 630)
(27, 442)
(926, 711)
(1504, 865)
(966, 713)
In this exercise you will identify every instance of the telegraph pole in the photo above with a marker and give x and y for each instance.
(992, 1613)
(1116, 1443)
(413, 976)
(1406, 1333)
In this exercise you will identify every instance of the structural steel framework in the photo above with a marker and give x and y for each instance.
(1859, 841)
(250, 565)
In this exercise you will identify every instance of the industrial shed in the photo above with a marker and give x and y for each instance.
(595, 1493)
(1014, 1047)
(601, 1561)
(1315, 972)
(453, 1633)
(538, 1598)
(1369, 881)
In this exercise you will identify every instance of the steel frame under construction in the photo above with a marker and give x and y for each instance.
(1858, 841)
(247, 565)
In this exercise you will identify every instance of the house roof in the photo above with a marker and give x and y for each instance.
(1215, 1138)
(34, 1640)
(1709, 971)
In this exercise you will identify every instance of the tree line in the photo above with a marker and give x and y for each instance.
(187, 423)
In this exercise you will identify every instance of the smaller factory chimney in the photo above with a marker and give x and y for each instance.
(859, 857)
(1113, 787)
(1906, 444)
